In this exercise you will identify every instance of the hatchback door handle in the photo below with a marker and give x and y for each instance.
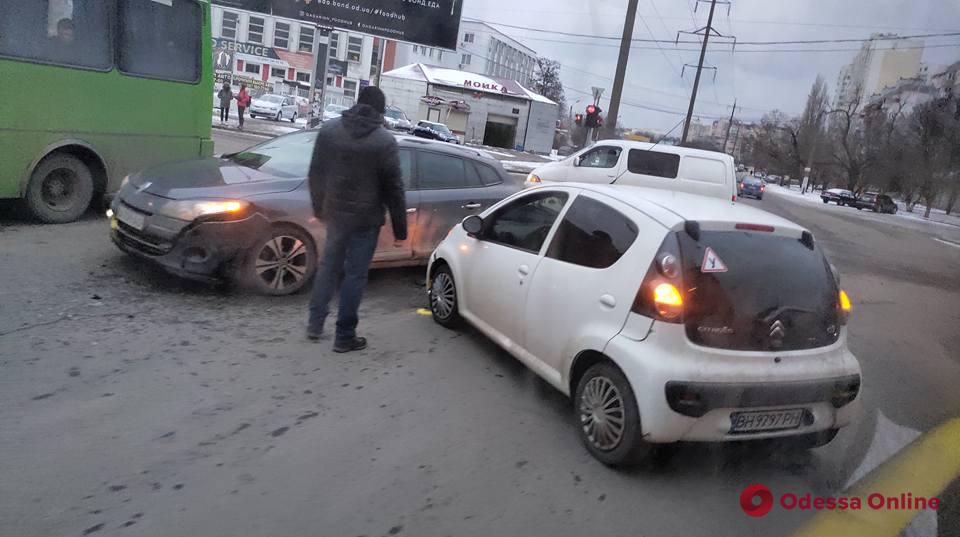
(608, 301)
(523, 270)
(411, 210)
(471, 206)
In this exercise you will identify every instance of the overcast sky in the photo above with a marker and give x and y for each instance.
(760, 81)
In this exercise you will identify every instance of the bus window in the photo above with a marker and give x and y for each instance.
(57, 31)
(160, 39)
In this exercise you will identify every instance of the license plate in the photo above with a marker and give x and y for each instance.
(770, 420)
(131, 218)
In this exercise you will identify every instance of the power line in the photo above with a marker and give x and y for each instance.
(762, 51)
(757, 43)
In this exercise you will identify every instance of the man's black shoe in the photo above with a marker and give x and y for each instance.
(314, 335)
(348, 345)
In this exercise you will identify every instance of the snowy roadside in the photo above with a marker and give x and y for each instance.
(257, 127)
(937, 216)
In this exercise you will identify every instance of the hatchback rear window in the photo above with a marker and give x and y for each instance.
(765, 292)
(653, 163)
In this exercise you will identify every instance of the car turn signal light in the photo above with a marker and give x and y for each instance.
(845, 307)
(667, 298)
(533, 178)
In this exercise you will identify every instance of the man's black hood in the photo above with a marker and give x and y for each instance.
(361, 120)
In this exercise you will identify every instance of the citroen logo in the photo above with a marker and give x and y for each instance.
(777, 330)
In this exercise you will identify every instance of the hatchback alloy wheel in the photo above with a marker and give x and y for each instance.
(443, 298)
(601, 413)
(608, 417)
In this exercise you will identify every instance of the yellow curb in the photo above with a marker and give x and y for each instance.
(924, 469)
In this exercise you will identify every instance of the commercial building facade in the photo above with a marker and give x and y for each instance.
(479, 109)
(481, 49)
(277, 55)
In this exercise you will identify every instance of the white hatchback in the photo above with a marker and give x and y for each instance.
(666, 316)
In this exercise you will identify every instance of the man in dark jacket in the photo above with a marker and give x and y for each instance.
(354, 174)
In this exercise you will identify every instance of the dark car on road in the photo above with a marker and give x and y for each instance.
(751, 186)
(434, 131)
(878, 203)
(247, 216)
(839, 196)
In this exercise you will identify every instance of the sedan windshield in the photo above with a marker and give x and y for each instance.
(285, 157)
(394, 114)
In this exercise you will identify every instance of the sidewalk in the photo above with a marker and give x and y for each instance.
(257, 126)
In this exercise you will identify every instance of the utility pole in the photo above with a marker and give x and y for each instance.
(614, 111)
(696, 80)
(729, 124)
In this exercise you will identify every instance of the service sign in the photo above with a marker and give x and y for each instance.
(434, 23)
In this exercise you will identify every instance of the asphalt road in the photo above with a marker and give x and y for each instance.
(134, 403)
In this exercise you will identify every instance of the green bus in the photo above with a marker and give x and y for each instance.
(91, 90)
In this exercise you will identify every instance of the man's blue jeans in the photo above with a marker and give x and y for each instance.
(346, 260)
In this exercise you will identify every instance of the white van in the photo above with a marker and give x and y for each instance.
(626, 162)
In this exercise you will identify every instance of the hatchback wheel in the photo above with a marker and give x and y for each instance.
(293, 118)
(443, 298)
(282, 263)
(279, 115)
(607, 417)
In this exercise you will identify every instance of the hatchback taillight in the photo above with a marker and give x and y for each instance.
(844, 307)
(661, 293)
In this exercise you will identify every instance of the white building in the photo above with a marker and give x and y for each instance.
(492, 111)
(947, 82)
(278, 55)
(903, 96)
(481, 49)
(880, 63)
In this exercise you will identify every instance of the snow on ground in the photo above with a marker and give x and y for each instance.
(521, 166)
(264, 127)
(937, 216)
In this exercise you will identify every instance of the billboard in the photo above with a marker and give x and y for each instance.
(434, 23)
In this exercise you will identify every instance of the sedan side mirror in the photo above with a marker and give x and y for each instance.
(473, 225)
(577, 160)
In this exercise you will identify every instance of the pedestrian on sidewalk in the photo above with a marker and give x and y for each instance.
(226, 96)
(243, 101)
(354, 174)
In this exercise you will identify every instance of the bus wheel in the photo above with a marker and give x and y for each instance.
(60, 189)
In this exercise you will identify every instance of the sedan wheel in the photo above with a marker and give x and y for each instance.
(281, 264)
(443, 298)
(608, 417)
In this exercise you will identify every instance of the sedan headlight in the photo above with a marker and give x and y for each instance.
(212, 209)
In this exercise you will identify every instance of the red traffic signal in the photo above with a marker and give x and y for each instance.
(591, 109)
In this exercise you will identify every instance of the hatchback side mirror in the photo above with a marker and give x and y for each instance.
(577, 161)
(473, 225)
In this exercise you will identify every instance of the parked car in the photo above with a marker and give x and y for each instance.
(753, 187)
(395, 119)
(626, 162)
(838, 196)
(878, 203)
(275, 107)
(666, 316)
(333, 111)
(247, 216)
(434, 131)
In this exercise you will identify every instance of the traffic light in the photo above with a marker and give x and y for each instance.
(578, 119)
(593, 119)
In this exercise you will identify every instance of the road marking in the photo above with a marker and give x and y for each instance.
(423, 311)
(951, 243)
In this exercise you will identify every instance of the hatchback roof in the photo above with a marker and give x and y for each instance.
(672, 208)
